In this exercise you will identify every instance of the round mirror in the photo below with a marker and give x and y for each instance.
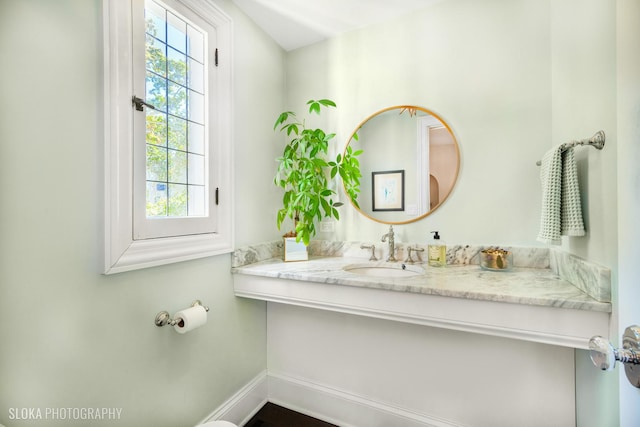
(409, 164)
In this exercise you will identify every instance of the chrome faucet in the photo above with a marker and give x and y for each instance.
(392, 245)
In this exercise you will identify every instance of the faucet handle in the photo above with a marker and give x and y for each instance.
(409, 250)
(373, 251)
(409, 259)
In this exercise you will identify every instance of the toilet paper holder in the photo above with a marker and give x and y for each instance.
(163, 318)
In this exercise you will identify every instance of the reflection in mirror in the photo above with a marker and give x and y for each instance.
(409, 165)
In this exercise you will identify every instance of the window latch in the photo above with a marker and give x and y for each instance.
(141, 103)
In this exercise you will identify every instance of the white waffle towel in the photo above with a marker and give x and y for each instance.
(561, 207)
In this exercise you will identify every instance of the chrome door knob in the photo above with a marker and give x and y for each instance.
(604, 356)
(602, 353)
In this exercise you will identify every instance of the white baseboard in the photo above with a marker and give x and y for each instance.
(334, 406)
(243, 405)
(343, 408)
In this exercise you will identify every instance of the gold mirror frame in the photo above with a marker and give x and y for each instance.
(411, 110)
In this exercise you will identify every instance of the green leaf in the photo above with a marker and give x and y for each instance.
(282, 118)
(281, 216)
(320, 163)
(286, 198)
(314, 107)
(293, 127)
(327, 102)
(326, 206)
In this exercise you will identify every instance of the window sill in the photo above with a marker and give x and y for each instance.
(153, 252)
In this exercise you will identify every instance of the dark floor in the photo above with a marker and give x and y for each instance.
(271, 415)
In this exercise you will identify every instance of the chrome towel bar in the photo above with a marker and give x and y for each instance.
(596, 141)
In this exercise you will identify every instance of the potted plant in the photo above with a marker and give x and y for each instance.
(305, 172)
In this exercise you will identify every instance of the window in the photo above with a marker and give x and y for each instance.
(168, 132)
(174, 76)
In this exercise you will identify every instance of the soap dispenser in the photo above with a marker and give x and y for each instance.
(437, 251)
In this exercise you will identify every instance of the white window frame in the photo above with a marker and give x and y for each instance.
(121, 251)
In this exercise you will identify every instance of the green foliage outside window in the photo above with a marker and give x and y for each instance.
(166, 134)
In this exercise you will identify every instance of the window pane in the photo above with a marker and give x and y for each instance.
(177, 100)
(177, 166)
(156, 163)
(176, 33)
(196, 169)
(177, 66)
(177, 200)
(155, 56)
(196, 138)
(156, 199)
(156, 127)
(156, 91)
(177, 133)
(175, 143)
(196, 76)
(196, 44)
(196, 200)
(196, 107)
(154, 15)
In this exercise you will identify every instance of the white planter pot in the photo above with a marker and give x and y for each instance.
(294, 251)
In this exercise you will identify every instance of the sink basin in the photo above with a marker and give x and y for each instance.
(384, 270)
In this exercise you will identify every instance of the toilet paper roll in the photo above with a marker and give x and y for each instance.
(190, 319)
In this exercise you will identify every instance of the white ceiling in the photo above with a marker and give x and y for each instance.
(296, 23)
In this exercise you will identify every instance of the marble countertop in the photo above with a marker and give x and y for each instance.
(527, 286)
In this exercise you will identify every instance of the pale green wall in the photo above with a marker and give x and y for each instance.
(71, 337)
(583, 49)
(512, 79)
(485, 68)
